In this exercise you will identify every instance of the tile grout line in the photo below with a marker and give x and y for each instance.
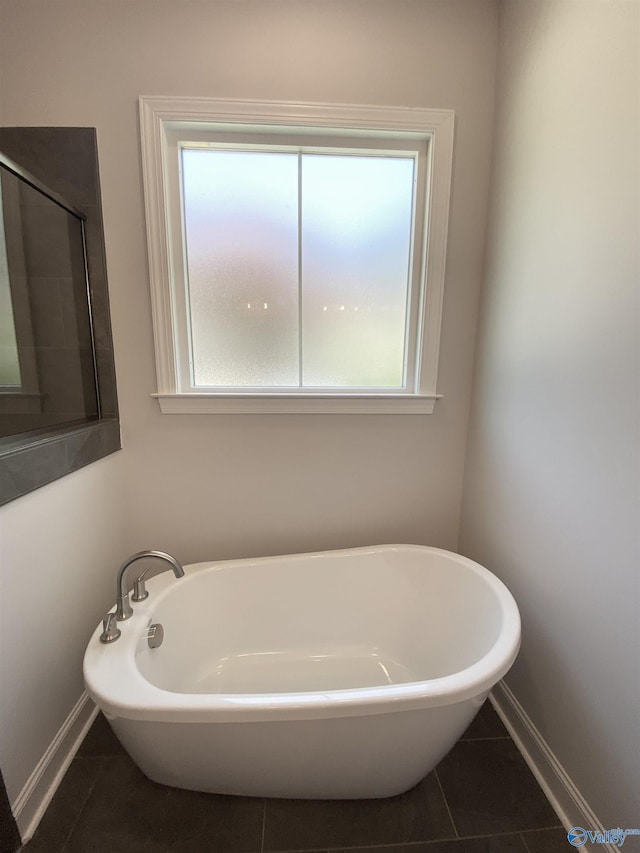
(526, 846)
(264, 823)
(524, 832)
(84, 805)
(318, 850)
(453, 824)
(432, 841)
(496, 737)
(420, 844)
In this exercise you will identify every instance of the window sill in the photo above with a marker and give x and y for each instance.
(302, 404)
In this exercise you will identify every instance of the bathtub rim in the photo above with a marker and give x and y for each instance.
(118, 687)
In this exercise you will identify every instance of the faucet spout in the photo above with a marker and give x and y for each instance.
(124, 609)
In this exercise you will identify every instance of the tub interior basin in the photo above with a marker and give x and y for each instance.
(321, 623)
(295, 670)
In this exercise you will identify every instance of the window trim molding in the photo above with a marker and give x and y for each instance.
(158, 113)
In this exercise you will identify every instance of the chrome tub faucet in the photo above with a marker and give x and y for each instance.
(123, 607)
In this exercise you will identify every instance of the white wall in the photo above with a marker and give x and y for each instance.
(206, 486)
(553, 476)
(220, 486)
(60, 548)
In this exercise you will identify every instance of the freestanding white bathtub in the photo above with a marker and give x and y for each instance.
(330, 675)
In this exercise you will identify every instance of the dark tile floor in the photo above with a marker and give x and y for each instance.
(481, 798)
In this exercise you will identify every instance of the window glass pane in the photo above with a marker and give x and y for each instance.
(356, 233)
(240, 220)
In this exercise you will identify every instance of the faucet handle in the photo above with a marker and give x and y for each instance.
(139, 589)
(110, 631)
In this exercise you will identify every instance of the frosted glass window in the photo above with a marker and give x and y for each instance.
(241, 234)
(297, 268)
(356, 231)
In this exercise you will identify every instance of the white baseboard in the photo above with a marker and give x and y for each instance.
(565, 798)
(40, 787)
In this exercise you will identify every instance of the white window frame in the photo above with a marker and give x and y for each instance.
(159, 120)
